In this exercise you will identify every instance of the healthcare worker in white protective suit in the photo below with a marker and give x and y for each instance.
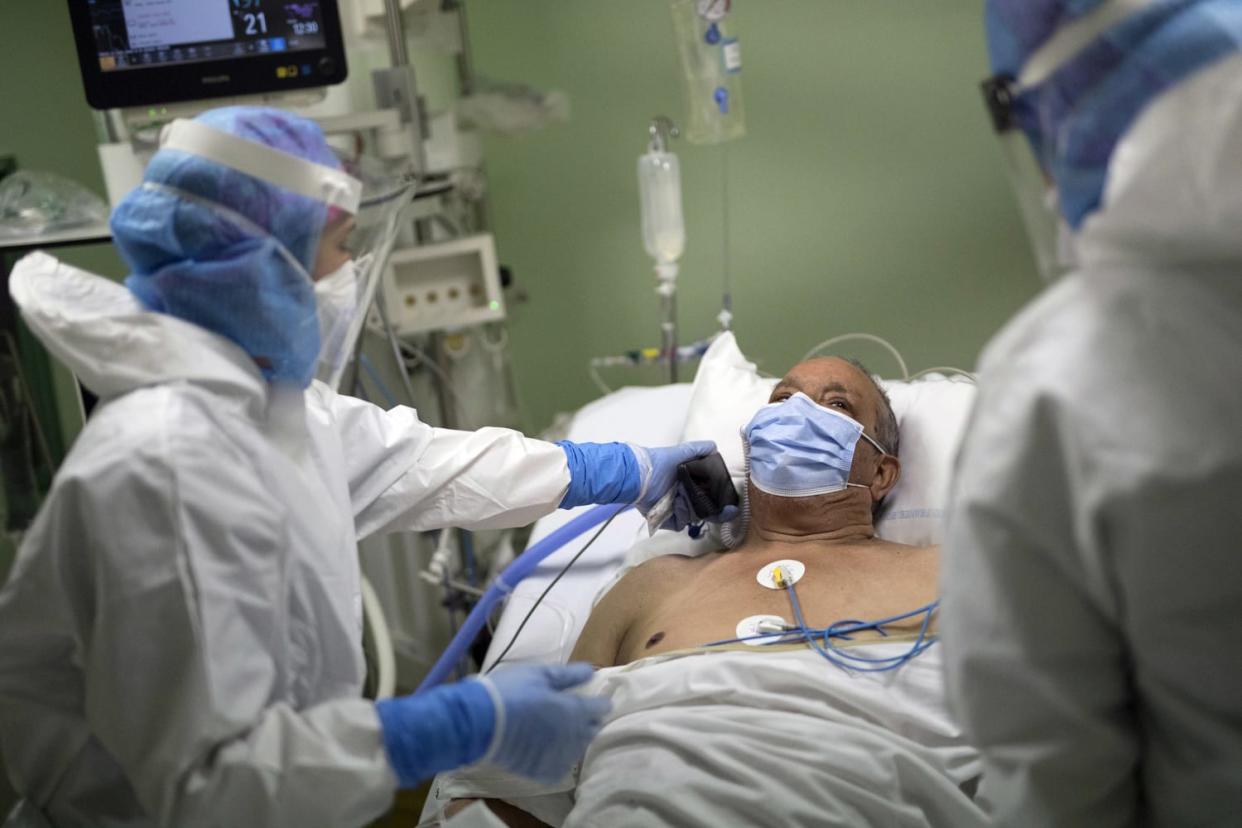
(182, 630)
(1092, 584)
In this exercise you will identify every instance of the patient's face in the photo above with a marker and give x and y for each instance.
(835, 384)
(838, 385)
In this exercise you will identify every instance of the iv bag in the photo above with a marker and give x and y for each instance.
(711, 66)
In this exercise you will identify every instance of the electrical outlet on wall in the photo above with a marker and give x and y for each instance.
(445, 286)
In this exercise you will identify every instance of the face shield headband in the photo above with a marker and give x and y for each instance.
(332, 187)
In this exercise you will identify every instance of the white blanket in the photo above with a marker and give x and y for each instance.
(760, 738)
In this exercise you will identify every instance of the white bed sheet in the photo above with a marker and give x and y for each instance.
(748, 738)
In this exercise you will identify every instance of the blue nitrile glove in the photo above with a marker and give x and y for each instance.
(459, 724)
(601, 473)
(625, 473)
(437, 730)
(659, 468)
(540, 731)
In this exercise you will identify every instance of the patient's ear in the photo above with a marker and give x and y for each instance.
(887, 473)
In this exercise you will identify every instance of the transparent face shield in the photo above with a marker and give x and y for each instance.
(344, 295)
(341, 261)
(1034, 188)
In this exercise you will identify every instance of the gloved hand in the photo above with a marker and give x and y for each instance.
(540, 731)
(658, 467)
(625, 473)
(664, 501)
(518, 719)
(676, 511)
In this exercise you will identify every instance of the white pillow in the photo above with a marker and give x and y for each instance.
(931, 416)
(727, 392)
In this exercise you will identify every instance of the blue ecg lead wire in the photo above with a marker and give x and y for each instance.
(843, 630)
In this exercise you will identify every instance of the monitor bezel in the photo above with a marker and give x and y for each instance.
(177, 83)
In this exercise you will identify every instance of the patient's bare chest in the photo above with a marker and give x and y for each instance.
(707, 599)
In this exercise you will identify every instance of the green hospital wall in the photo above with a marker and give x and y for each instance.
(46, 124)
(44, 119)
(869, 194)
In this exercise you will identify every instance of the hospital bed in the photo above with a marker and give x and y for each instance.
(931, 415)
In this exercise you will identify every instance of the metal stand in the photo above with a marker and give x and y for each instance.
(666, 289)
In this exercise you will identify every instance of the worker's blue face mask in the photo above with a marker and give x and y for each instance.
(799, 448)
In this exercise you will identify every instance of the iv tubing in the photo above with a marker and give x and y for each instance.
(514, 573)
(726, 298)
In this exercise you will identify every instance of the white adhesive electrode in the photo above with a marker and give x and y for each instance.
(755, 625)
(792, 570)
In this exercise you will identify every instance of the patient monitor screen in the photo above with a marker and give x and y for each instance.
(132, 34)
(146, 53)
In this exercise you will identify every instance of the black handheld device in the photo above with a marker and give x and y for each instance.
(707, 485)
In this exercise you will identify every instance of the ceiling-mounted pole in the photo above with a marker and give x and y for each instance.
(398, 52)
(396, 88)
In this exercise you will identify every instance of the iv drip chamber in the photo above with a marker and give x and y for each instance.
(659, 188)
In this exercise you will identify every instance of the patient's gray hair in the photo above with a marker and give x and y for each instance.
(886, 433)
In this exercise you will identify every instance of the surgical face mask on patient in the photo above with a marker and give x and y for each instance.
(799, 448)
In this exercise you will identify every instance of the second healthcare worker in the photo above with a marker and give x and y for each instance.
(1092, 614)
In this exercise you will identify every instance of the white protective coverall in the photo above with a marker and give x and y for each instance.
(141, 680)
(1092, 620)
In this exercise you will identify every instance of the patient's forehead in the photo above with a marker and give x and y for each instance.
(820, 378)
(817, 372)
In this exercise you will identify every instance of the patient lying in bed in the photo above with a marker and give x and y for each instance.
(771, 734)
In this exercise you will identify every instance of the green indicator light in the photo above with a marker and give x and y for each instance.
(494, 305)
